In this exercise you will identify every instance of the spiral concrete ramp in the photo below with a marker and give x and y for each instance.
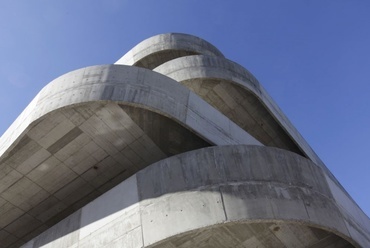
(171, 146)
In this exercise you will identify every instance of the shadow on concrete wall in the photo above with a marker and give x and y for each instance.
(254, 188)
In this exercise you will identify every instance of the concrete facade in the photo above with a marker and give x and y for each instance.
(171, 146)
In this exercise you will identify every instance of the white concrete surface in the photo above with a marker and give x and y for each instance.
(232, 187)
(115, 156)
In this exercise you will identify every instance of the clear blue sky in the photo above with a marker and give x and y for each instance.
(313, 57)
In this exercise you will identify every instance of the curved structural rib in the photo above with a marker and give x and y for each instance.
(84, 130)
(161, 48)
(234, 185)
(215, 197)
(236, 93)
(176, 157)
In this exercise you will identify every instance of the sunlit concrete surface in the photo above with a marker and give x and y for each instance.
(171, 146)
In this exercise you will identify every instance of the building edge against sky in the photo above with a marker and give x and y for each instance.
(172, 146)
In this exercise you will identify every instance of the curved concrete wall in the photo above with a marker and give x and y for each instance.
(129, 85)
(243, 189)
(236, 93)
(79, 133)
(161, 48)
(91, 129)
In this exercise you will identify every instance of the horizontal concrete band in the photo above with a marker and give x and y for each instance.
(233, 187)
(87, 131)
(237, 94)
(161, 48)
(129, 85)
(231, 89)
(164, 48)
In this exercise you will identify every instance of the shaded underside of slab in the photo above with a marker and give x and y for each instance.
(74, 155)
(110, 125)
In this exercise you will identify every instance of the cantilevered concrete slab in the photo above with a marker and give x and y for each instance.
(164, 47)
(187, 151)
(222, 196)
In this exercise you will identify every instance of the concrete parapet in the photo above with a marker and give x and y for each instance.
(164, 47)
(236, 191)
(85, 131)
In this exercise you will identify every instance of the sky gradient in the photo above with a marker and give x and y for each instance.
(313, 57)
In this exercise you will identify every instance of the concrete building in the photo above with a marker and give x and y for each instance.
(171, 146)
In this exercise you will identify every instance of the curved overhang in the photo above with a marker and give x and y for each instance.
(195, 70)
(164, 47)
(223, 196)
(237, 185)
(131, 86)
(90, 129)
(236, 93)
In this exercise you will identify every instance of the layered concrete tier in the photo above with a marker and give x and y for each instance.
(225, 196)
(164, 47)
(145, 130)
(236, 93)
(92, 128)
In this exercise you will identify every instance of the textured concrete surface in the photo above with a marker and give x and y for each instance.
(82, 143)
(161, 48)
(131, 143)
(212, 197)
(237, 94)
